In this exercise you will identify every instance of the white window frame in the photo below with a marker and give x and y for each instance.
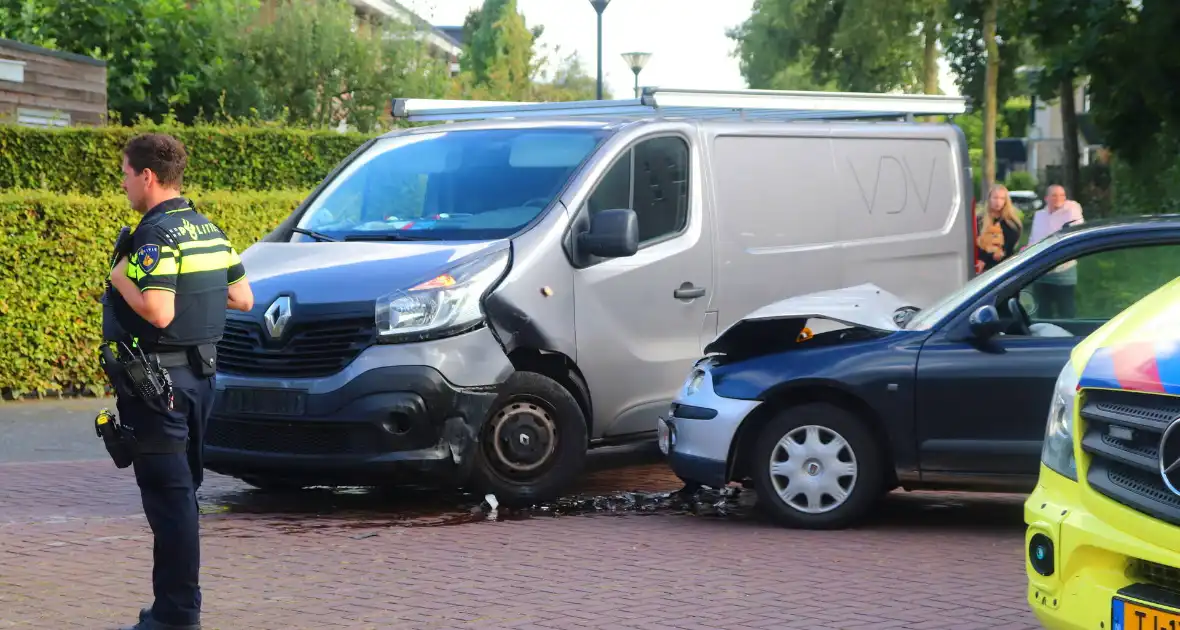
(42, 118)
(12, 70)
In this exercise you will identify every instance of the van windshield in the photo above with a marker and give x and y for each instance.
(449, 185)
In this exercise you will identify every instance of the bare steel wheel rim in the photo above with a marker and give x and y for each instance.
(813, 469)
(523, 437)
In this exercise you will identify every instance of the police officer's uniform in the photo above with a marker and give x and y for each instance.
(174, 248)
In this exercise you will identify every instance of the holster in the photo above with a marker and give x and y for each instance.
(205, 360)
(123, 446)
(117, 440)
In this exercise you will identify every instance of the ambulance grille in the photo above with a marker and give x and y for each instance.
(1122, 432)
(1160, 575)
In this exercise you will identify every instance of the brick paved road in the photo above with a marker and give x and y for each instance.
(75, 553)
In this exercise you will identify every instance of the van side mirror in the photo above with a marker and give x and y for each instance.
(985, 322)
(613, 234)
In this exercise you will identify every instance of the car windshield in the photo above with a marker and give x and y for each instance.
(449, 185)
(927, 318)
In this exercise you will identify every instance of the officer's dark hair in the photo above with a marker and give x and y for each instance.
(160, 152)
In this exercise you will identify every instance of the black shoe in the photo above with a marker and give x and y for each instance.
(147, 623)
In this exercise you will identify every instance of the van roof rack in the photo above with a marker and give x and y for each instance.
(674, 103)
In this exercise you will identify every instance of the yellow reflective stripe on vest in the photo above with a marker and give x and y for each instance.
(213, 242)
(166, 267)
(211, 261)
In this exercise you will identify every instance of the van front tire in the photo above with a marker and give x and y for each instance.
(533, 444)
(827, 467)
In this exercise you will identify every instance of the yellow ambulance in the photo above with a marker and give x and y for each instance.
(1102, 547)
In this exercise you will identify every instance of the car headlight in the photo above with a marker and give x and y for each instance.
(444, 305)
(694, 382)
(1057, 450)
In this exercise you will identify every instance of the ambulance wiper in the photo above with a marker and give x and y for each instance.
(316, 235)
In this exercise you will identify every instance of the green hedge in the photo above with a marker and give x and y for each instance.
(88, 160)
(54, 250)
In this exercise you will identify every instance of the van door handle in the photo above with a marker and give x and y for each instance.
(688, 292)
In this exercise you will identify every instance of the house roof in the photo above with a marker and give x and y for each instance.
(394, 9)
(38, 50)
(454, 32)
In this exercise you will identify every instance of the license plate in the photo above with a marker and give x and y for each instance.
(1131, 616)
(263, 402)
(665, 434)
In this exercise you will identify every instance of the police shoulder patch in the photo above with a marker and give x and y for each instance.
(147, 257)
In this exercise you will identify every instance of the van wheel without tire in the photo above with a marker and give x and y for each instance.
(533, 444)
(817, 466)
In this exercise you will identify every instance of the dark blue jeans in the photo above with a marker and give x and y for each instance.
(168, 484)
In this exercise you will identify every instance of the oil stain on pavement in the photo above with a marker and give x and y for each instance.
(625, 491)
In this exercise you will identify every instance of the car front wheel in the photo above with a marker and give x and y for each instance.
(817, 466)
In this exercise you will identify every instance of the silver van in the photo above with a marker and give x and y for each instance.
(479, 302)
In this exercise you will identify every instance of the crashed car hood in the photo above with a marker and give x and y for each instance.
(331, 273)
(865, 305)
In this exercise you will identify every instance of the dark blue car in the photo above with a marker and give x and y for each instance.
(826, 402)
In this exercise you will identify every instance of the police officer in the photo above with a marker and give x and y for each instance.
(170, 296)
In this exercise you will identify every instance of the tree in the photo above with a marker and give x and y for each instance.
(984, 47)
(1053, 26)
(1129, 53)
(902, 33)
(25, 21)
(966, 48)
(504, 61)
(312, 63)
(307, 62)
(158, 52)
(992, 76)
(800, 45)
(570, 82)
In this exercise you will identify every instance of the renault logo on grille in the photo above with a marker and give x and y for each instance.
(1170, 457)
(277, 316)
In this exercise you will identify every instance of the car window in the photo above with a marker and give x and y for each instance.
(651, 179)
(927, 318)
(1081, 294)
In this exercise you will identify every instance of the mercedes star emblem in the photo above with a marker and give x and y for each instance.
(1170, 457)
(277, 315)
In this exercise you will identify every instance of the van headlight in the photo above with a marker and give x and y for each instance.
(444, 305)
(1057, 450)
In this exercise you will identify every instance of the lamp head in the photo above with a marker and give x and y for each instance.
(637, 60)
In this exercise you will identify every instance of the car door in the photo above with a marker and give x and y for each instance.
(982, 404)
(639, 319)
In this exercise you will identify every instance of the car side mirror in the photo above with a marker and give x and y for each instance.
(612, 234)
(985, 322)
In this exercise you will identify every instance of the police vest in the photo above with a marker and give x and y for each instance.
(175, 248)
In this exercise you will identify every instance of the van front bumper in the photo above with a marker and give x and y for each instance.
(383, 423)
(394, 414)
(1094, 564)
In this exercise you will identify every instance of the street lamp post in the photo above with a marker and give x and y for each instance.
(599, 7)
(637, 60)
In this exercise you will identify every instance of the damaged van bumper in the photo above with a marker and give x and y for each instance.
(392, 415)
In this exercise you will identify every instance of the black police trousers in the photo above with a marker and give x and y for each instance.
(168, 484)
